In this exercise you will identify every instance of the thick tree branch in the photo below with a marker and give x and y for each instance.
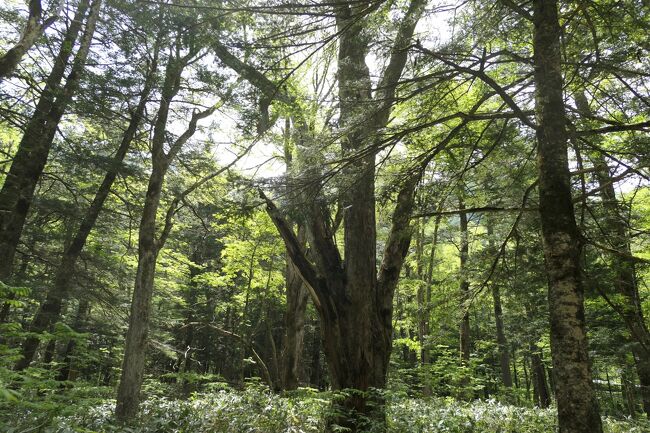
(399, 240)
(250, 74)
(305, 268)
(385, 95)
(33, 30)
(189, 132)
(517, 8)
(321, 238)
(641, 126)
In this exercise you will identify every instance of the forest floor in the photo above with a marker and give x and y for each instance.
(255, 410)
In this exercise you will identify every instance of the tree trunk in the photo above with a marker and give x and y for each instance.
(524, 361)
(296, 293)
(136, 337)
(297, 297)
(314, 364)
(464, 293)
(33, 30)
(515, 375)
(185, 362)
(149, 245)
(128, 393)
(29, 161)
(625, 281)
(578, 410)
(353, 301)
(542, 397)
(628, 393)
(68, 372)
(502, 341)
(354, 304)
(50, 351)
(50, 311)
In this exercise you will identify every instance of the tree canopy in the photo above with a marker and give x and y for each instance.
(356, 215)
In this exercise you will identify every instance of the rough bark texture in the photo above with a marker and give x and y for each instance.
(33, 30)
(28, 162)
(502, 341)
(297, 297)
(578, 410)
(354, 302)
(625, 282)
(297, 294)
(50, 311)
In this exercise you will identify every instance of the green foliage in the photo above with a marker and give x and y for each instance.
(256, 410)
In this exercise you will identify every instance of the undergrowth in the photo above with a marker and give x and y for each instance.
(256, 410)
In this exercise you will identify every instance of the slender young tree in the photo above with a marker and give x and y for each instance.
(615, 229)
(149, 242)
(502, 341)
(464, 292)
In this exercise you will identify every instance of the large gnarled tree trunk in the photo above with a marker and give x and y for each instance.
(353, 300)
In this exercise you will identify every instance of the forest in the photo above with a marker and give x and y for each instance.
(311, 216)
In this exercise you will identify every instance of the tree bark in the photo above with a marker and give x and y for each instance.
(625, 281)
(578, 410)
(68, 371)
(464, 293)
(33, 30)
(540, 386)
(149, 245)
(515, 375)
(353, 302)
(50, 311)
(29, 161)
(628, 393)
(314, 365)
(502, 341)
(296, 292)
(297, 297)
